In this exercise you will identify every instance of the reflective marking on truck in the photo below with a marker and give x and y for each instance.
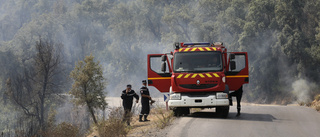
(180, 76)
(216, 75)
(201, 75)
(238, 76)
(186, 76)
(198, 49)
(194, 75)
(159, 78)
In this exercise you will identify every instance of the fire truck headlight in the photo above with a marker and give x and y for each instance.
(175, 96)
(222, 95)
(224, 79)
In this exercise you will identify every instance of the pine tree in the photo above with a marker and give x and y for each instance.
(88, 85)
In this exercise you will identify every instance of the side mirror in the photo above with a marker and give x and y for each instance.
(232, 56)
(232, 65)
(163, 67)
(163, 58)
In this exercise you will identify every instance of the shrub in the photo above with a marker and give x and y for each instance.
(164, 117)
(316, 103)
(113, 126)
(301, 103)
(62, 130)
(317, 97)
(66, 130)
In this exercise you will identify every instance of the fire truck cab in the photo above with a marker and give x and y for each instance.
(198, 75)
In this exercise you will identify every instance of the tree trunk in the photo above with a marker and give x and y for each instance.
(42, 97)
(92, 114)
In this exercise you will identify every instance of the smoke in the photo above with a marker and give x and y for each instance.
(120, 34)
(302, 90)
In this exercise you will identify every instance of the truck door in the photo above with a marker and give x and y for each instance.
(156, 76)
(239, 75)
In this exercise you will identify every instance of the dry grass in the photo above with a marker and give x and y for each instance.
(164, 117)
(301, 103)
(317, 97)
(316, 103)
(62, 130)
(159, 118)
(113, 126)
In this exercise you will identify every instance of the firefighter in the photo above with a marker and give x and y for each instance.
(238, 95)
(127, 101)
(145, 97)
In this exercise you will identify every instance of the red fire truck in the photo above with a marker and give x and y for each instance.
(198, 75)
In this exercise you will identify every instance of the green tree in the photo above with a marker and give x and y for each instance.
(88, 85)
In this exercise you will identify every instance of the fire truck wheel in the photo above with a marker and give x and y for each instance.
(181, 111)
(177, 112)
(222, 111)
(186, 111)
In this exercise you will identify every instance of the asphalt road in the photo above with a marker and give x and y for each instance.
(255, 121)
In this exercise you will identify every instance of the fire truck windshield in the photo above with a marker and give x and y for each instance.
(197, 61)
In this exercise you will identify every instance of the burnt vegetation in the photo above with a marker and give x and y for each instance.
(35, 88)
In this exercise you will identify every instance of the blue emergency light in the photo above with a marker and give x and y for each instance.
(198, 43)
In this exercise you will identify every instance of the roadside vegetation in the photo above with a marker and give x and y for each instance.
(164, 117)
(316, 103)
(160, 118)
(61, 130)
(113, 126)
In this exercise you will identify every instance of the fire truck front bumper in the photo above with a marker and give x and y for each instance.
(201, 102)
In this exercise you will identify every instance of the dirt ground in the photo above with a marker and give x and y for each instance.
(142, 129)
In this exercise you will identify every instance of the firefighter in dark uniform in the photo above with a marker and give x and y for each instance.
(238, 95)
(127, 101)
(145, 98)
